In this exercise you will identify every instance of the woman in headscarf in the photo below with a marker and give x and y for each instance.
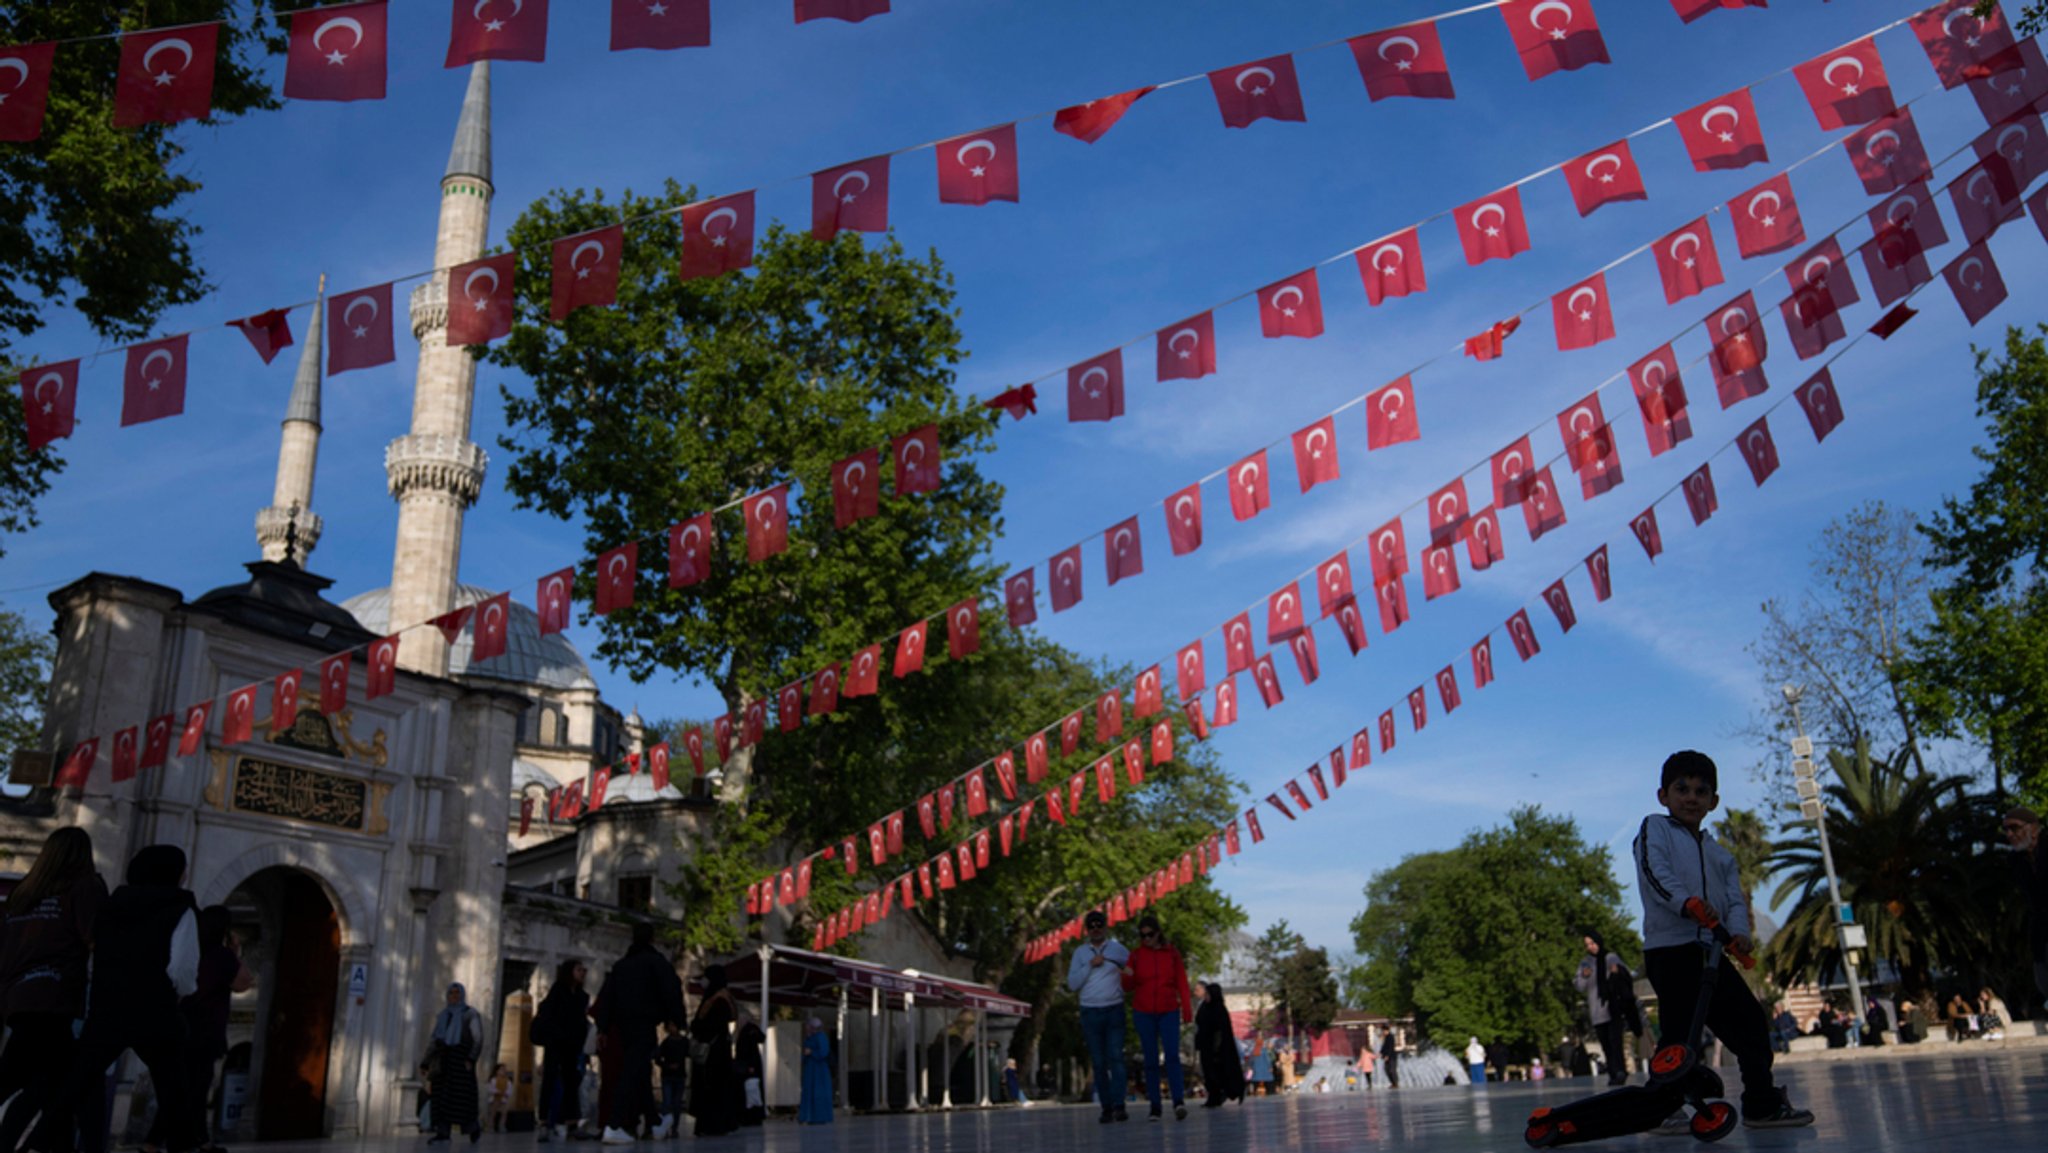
(747, 1046)
(1603, 978)
(714, 1087)
(560, 1026)
(1216, 1046)
(814, 1107)
(43, 964)
(457, 1043)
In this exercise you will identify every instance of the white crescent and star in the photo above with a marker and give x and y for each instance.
(1827, 74)
(1400, 257)
(576, 257)
(1512, 465)
(1448, 506)
(182, 47)
(1682, 238)
(1248, 475)
(1255, 70)
(1394, 398)
(1883, 136)
(1479, 214)
(853, 472)
(1906, 200)
(45, 380)
(1184, 508)
(18, 66)
(1121, 538)
(348, 314)
(1592, 296)
(1768, 218)
(347, 23)
(1090, 375)
(1315, 434)
(1406, 62)
(839, 185)
(614, 567)
(1282, 295)
(1063, 569)
(469, 286)
(169, 361)
(766, 508)
(976, 145)
(1557, 32)
(1708, 117)
(728, 214)
(1963, 273)
(1593, 167)
(1824, 262)
(1734, 313)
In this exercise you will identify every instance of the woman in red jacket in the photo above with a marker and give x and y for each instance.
(1158, 984)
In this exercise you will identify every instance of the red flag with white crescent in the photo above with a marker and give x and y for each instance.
(910, 645)
(585, 270)
(916, 457)
(1846, 86)
(1095, 388)
(825, 691)
(1065, 571)
(1767, 218)
(1036, 757)
(1700, 498)
(1190, 670)
(1448, 509)
(718, 236)
(23, 105)
(1392, 266)
(1543, 510)
(722, 736)
(49, 400)
(1259, 90)
(1483, 544)
(1303, 645)
(1148, 695)
(1577, 425)
(2023, 144)
(1134, 762)
(1292, 307)
(1605, 176)
(1283, 613)
(1184, 520)
(1554, 35)
(493, 621)
(979, 167)
(269, 333)
(1418, 708)
(1187, 351)
(1740, 346)
(1226, 702)
(1439, 571)
(334, 682)
(963, 629)
(337, 53)
(359, 329)
(693, 744)
(1333, 584)
(1268, 680)
(76, 767)
(551, 600)
(1389, 551)
(1089, 122)
(767, 516)
(1351, 624)
(1985, 197)
(1109, 716)
(1482, 662)
(1759, 451)
(1647, 534)
(1660, 396)
(657, 765)
(1974, 279)
(1237, 643)
(1404, 61)
(1020, 597)
(1006, 774)
(284, 699)
(852, 197)
(498, 30)
(153, 381)
(1581, 314)
(1597, 570)
(1070, 733)
(1493, 227)
(1447, 690)
(1315, 453)
(789, 707)
(689, 551)
(616, 570)
(1390, 416)
(1723, 133)
(2015, 87)
(1250, 490)
(480, 300)
(1822, 404)
(165, 75)
(1962, 45)
(1123, 553)
(194, 732)
(1888, 154)
(238, 722)
(1162, 742)
(1514, 467)
(1523, 635)
(1687, 262)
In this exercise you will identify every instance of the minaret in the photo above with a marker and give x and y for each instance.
(289, 528)
(435, 472)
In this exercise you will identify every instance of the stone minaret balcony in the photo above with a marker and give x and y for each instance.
(433, 465)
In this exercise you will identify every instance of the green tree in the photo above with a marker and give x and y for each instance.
(1980, 668)
(1308, 991)
(1748, 839)
(1909, 856)
(2033, 16)
(25, 655)
(1483, 939)
(92, 215)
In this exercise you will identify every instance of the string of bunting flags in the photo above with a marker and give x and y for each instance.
(717, 234)
(1898, 247)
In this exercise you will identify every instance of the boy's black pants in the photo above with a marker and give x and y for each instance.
(1734, 1016)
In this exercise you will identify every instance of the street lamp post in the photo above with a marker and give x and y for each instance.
(1847, 932)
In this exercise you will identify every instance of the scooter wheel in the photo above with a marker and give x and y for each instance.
(1542, 1131)
(1714, 1122)
(1671, 1062)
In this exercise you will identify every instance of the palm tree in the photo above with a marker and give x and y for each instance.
(1906, 848)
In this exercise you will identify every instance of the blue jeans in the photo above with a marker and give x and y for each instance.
(1478, 1074)
(1156, 1031)
(1103, 1028)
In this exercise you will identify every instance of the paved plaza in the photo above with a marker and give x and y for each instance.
(1992, 1101)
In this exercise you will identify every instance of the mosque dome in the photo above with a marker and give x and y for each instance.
(530, 658)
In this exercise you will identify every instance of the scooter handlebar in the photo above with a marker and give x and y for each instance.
(1697, 910)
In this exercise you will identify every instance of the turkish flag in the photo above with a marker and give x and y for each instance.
(451, 623)
(851, 11)
(1392, 266)
(380, 668)
(1109, 716)
(1251, 820)
(359, 329)
(1811, 317)
(1577, 425)
(1759, 451)
(1597, 572)
(753, 723)
(1035, 757)
(1644, 526)
(1065, 570)
(660, 24)
(1523, 635)
(1070, 734)
(1184, 520)
(1198, 722)
(1767, 218)
(1448, 508)
(1292, 307)
(825, 691)
(1404, 61)
(916, 455)
(1283, 613)
(1237, 643)
(1447, 689)
(1700, 499)
(1076, 785)
(1691, 10)
(1134, 763)
(1315, 453)
(1605, 176)
(1888, 154)
(1095, 388)
(1190, 669)
(1250, 494)
(1542, 511)
(1723, 133)
(194, 731)
(1268, 680)
(284, 699)
(1123, 554)
(153, 383)
(1226, 702)
(1823, 273)
(334, 683)
(123, 755)
(1089, 122)
(963, 629)
(585, 270)
(1687, 262)
(49, 401)
(22, 102)
(1560, 602)
(2009, 92)
(722, 736)
(1484, 547)
(1389, 552)
(689, 551)
(1439, 571)
(977, 793)
(1739, 350)
(693, 744)
(498, 30)
(1019, 402)
(910, 649)
(1162, 743)
(1554, 35)
(76, 768)
(1581, 314)
(767, 523)
(657, 765)
(493, 616)
(1482, 662)
(1974, 279)
(269, 333)
(1187, 351)
(1493, 227)
(1006, 774)
(856, 488)
(1822, 404)
(1261, 90)
(1333, 583)
(1513, 468)
(1294, 790)
(979, 167)
(1597, 462)
(616, 570)
(600, 787)
(1985, 197)
(337, 53)
(165, 76)
(852, 197)
(1020, 597)
(1393, 602)
(1351, 625)
(718, 236)
(1903, 229)
(1963, 46)
(1390, 415)
(1660, 395)
(927, 816)
(1418, 708)
(480, 300)
(1846, 86)
(2023, 144)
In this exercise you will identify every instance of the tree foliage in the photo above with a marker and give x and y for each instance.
(25, 655)
(1483, 939)
(1980, 668)
(92, 215)
(1299, 984)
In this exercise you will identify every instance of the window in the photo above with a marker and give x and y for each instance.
(636, 894)
(561, 728)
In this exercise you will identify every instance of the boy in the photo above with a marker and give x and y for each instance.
(1676, 861)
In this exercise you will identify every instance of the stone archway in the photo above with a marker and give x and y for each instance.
(292, 933)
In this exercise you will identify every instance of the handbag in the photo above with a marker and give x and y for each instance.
(753, 1087)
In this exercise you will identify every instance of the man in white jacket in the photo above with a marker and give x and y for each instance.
(1096, 973)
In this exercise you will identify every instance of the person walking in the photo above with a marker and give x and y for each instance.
(1013, 1082)
(1262, 1067)
(1366, 1060)
(457, 1042)
(2022, 828)
(714, 1087)
(500, 1101)
(1607, 986)
(1390, 1060)
(145, 960)
(640, 993)
(1475, 1061)
(1216, 1047)
(1096, 974)
(748, 1043)
(814, 1104)
(221, 976)
(48, 934)
(672, 1056)
(560, 1027)
(1157, 982)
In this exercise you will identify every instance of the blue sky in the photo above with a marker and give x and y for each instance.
(1167, 215)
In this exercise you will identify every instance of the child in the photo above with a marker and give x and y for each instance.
(501, 1098)
(1676, 861)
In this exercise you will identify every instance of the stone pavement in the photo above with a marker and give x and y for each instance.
(1982, 1100)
